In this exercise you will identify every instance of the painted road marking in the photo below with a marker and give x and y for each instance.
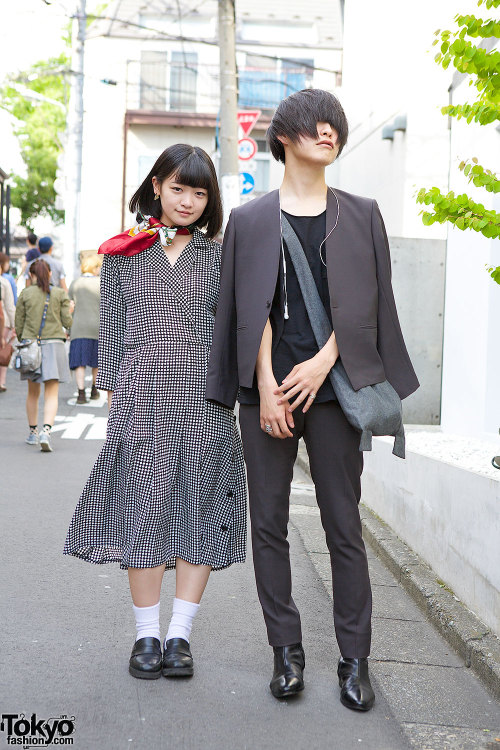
(74, 427)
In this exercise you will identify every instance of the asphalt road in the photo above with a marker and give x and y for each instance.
(68, 628)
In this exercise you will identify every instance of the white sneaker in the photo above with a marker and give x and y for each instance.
(32, 438)
(44, 440)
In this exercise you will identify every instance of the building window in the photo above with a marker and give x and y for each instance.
(296, 75)
(153, 93)
(183, 77)
(264, 83)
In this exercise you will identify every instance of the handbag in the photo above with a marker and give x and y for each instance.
(29, 351)
(5, 354)
(372, 410)
(7, 349)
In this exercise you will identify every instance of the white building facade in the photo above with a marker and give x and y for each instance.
(152, 79)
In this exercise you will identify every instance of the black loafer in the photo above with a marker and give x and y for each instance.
(356, 691)
(288, 678)
(145, 659)
(177, 658)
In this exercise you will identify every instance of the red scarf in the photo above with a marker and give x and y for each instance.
(141, 237)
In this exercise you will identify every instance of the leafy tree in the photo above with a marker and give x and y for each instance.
(40, 125)
(459, 48)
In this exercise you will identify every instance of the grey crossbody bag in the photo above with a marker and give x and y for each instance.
(372, 410)
(29, 351)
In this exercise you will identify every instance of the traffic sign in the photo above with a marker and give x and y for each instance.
(247, 148)
(247, 183)
(247, 119)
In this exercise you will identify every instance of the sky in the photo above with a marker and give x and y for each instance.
(30, 30)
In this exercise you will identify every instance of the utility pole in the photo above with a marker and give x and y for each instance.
(228, 138)
(73, 157)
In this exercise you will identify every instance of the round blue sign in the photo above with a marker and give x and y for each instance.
(247, 183)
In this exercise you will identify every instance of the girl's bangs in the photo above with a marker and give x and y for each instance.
(193, 172)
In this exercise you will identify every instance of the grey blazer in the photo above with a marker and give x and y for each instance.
(364, 313)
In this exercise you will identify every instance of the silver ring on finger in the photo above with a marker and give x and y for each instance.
(312, 396)
(268, 428)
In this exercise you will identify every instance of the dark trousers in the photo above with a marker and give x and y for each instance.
(336, 465)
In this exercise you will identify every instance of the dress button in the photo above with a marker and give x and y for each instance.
(223, 528)
(230, 493)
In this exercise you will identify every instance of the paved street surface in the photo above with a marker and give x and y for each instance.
(67, 632)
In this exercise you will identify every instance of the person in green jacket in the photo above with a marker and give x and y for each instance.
(54, 368)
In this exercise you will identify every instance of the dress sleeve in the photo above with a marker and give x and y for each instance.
(112, 323)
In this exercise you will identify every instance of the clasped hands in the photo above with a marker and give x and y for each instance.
(303, 381)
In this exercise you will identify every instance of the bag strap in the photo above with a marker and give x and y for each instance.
(44, 317)
(316, 312)
(320, 323)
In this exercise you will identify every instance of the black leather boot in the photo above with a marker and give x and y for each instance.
(177, 659)
(289, 663)
(145, 659)
(356, 691)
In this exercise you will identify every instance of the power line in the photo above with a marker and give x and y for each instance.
(197, 40)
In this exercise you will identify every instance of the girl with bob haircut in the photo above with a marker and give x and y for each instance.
(168, 488)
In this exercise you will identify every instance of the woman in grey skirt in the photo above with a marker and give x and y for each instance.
(51, 305)
(168, 488)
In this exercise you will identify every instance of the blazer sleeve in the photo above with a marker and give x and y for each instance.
(222, 374)
(391, 346)
(112, 323)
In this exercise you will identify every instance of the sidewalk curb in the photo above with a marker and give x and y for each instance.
(470, 637)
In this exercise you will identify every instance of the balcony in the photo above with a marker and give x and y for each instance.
(156, 83)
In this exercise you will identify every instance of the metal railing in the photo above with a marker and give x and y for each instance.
(184, 87)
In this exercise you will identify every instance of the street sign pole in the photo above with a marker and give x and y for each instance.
(228, 138)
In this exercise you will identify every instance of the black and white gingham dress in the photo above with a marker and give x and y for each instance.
(169, 481)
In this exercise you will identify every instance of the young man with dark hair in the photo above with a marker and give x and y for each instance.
(58, 278)
(264, 345)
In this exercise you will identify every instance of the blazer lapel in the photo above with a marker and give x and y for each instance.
(337, 244)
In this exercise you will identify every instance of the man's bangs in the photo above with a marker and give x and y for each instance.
(307, 123)
(193, 172)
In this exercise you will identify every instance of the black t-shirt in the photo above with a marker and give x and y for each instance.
(297, 342)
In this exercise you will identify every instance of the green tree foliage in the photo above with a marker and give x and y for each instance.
(40, 126)
(460, 48)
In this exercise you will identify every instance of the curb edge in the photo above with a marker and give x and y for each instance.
(470, 637)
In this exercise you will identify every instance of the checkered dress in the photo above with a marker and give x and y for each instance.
(169, 481)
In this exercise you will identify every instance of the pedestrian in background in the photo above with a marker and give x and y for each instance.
(85, 329)
(9, 311)
(168, 488)
(2, 329)
(58, 277)
(5, 264)
(44, 310)
(32, 253)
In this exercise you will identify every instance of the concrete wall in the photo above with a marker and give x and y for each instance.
(445, 513)
(471, 362)
(418, 268)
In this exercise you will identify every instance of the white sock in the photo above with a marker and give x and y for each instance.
(183, 614)
(147, 621)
